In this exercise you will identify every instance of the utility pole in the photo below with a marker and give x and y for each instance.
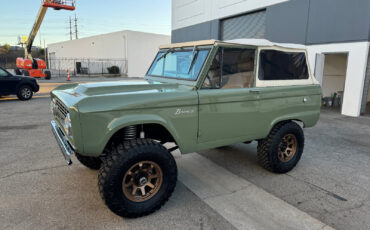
(76, 29)
(46, 62)
(70, 28)
(40, 39)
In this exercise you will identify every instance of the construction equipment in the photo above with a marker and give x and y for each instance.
(35, 67)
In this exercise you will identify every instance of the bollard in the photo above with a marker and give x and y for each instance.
(68, 79)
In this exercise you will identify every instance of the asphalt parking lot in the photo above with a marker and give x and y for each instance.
(38, 191)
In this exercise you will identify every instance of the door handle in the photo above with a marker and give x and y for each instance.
(255, 91)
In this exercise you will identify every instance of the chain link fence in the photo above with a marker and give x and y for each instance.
(7, 63)
(87, 67)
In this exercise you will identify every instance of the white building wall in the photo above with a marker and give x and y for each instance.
(141, 50)
(355, 75)
(190, 12)
(138, 48)
(110, 45)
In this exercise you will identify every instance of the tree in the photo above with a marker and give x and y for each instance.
(41, 51)
(7, 47)
(4, 49)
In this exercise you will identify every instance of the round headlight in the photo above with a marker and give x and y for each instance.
(53, 108)
(68, 125)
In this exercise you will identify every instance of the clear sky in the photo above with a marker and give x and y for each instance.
(94, 17)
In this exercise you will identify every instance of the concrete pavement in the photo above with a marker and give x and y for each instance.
(39, 191)
(217, 189)
(331, 181)
(243, 204)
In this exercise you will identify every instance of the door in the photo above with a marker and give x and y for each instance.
(228, 103)
(319, 67)
(8, 82)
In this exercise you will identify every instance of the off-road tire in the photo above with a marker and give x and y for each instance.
(116, 164)
(25, 92)
(92, 163)
(267, 150)
(48, 75)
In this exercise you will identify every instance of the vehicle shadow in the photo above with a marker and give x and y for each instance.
(240, 159)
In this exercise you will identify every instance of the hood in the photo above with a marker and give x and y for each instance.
(24, 77)
(123, 87)
(118, 95)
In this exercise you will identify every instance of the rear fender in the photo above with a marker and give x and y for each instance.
(309, 119)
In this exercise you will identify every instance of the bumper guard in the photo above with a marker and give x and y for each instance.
(65, 146)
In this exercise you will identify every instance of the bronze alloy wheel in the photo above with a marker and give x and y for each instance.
(142, 181)
(287, 147)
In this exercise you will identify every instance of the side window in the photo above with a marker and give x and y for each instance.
(279, 65)
(231, 68)
(3, 73)
(213, 78)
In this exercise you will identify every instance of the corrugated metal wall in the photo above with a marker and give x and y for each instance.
(251, 25)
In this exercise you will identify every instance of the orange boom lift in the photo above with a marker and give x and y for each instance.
(35, 67)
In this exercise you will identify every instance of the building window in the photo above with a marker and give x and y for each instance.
(279, 65)
(231, 68)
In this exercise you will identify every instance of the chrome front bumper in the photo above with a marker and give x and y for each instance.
(65, 146)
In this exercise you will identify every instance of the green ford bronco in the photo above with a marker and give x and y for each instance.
(197, 95)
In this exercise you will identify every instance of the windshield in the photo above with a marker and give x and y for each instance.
(179, 64)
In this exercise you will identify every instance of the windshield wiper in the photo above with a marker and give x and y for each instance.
(165, 54)
(195, 55)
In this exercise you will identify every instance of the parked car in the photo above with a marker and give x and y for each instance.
(198, 95)
(22, 86)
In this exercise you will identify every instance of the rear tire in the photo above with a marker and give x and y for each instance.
(282, 149)
(137, 177)
(25, 93)
(48, 75)
(92, 163)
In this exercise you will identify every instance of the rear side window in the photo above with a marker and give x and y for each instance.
(279, 65)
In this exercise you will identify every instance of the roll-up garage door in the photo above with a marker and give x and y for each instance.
(251, 25)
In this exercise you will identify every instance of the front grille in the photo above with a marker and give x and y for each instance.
(61, 111)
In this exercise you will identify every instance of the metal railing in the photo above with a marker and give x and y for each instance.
(87, 67)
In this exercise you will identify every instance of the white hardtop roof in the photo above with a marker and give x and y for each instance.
(264, 42)
(249, 41)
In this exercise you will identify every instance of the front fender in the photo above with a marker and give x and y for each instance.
(95, 144)
(140, 119)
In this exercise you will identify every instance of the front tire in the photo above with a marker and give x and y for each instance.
(90, 162)
(137, 177)
(25, 93)
(282, 149)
